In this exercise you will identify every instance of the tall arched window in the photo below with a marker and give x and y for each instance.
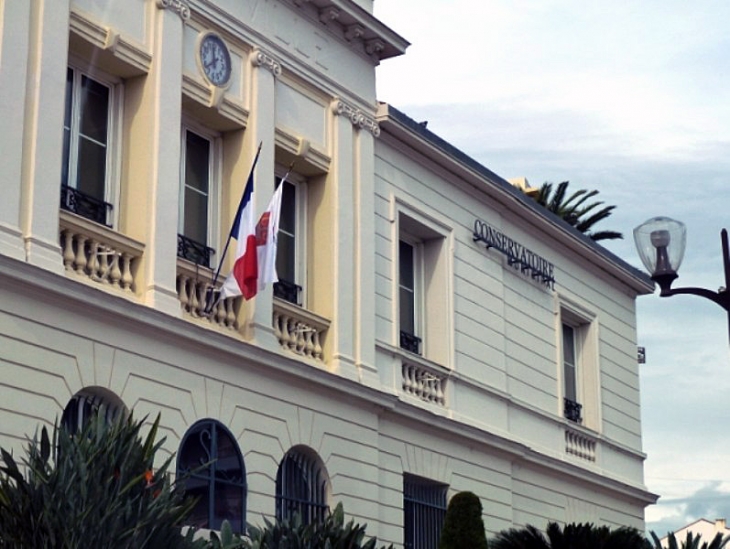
(211, 466)
(90, 402)
(302, 486)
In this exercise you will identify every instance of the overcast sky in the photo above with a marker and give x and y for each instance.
(631, 98)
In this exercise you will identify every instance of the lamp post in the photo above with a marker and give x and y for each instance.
(660, 242)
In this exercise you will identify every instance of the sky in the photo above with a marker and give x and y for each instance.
(630, 98)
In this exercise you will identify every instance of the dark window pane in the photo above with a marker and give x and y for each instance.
(94, 110)
(286, 257)
(195, 220)
(407, 312)
(228, 506)
(91, 168)
(288, 216)
(197, 162)
(406, 264)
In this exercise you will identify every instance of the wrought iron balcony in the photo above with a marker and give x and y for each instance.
(572, 410)
(84, 205)
(193, 251)
(288, 291)
(410, 342)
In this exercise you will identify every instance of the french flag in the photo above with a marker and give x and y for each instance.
(255, 263)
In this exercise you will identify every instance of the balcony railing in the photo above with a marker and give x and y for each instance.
(98, 253)
(298, 330)
(193, 285)
(424, 382)
(193, 251)
(572, 410)
(580, 445)
(84, 205)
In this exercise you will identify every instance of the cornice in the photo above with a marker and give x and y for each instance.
(355, 25)
(356, 116)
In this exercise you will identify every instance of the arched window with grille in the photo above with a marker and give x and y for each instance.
(88, 403)
(211, 466)
(302, 486)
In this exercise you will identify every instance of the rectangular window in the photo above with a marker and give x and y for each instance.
(85, 173)
(194, 225)
(424, 509)
(572, 409)
(409, 270)
(290, 246)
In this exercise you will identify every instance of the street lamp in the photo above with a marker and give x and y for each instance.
(660, 242)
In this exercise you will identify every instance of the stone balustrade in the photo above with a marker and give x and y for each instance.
(99, 253)
(423, 382)
(298, 330)
(580, 445)
(193, 284)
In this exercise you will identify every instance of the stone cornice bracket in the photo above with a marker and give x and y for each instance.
(180, 6)
(329, 14)
(354, 31)
(374, 47)
(259, 58)
(356, 116)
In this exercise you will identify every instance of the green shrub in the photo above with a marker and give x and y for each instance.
(96, 488)
(463, 525)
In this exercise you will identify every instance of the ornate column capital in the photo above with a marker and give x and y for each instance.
(260, 58)
(180, 6)
(356, 116)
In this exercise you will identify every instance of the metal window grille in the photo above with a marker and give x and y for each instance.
(212, 465)
(572, 410)
(193, 251)
(288, 291)
(85, 205)
(83, 406)
(424, 509)
(301, 487)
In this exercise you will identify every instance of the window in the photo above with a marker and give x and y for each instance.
(579, 364)
(291, 242)
(572, 409)
(409, 268)
(196, 199)
(422, 285)
(88, 125)
(301, 486)
(90, 403)
(424, 509)
(211, 466)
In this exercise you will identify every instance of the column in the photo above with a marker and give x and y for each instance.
(42, 140)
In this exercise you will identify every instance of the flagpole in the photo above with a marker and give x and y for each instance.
(209, 294)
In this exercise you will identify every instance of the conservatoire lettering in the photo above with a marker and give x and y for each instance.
(518, 257)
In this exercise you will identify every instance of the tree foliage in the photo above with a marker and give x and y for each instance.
(96, 488)
(570, 536)
(691, 541)
(463, 525)
(576, 209)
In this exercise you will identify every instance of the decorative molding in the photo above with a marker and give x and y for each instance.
(374, 47)
(354, 32)
(259, 58)
(356, 116)
(180, 6)
(329, 14)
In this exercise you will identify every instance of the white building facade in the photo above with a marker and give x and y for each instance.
(433, 330)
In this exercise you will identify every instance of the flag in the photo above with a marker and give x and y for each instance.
(255, 264)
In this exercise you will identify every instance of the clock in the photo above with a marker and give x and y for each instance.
(214, 59)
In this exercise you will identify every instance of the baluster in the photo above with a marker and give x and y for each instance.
(81, 254)
(308, 341)
(127, 278)
(68, 252)
(115, 273)
(317, 345)
(93, 265)
(230, 313)
(407, 386)
(277, 328)
(103, 258)
(182, 291)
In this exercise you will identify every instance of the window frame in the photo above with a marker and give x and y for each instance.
(585, 410)
(414, 342)
(194, 473)
(416, 511)
(283, 288)
(215, 170)
(314, 506)
(113, 155)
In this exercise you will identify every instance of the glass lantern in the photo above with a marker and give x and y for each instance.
(660, 242)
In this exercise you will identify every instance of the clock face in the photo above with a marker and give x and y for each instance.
(215, 60)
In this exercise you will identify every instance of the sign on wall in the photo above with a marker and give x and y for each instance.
(518, 257)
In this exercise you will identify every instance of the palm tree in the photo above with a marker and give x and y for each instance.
(691, 542)
(574, 209)
(570, 536)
